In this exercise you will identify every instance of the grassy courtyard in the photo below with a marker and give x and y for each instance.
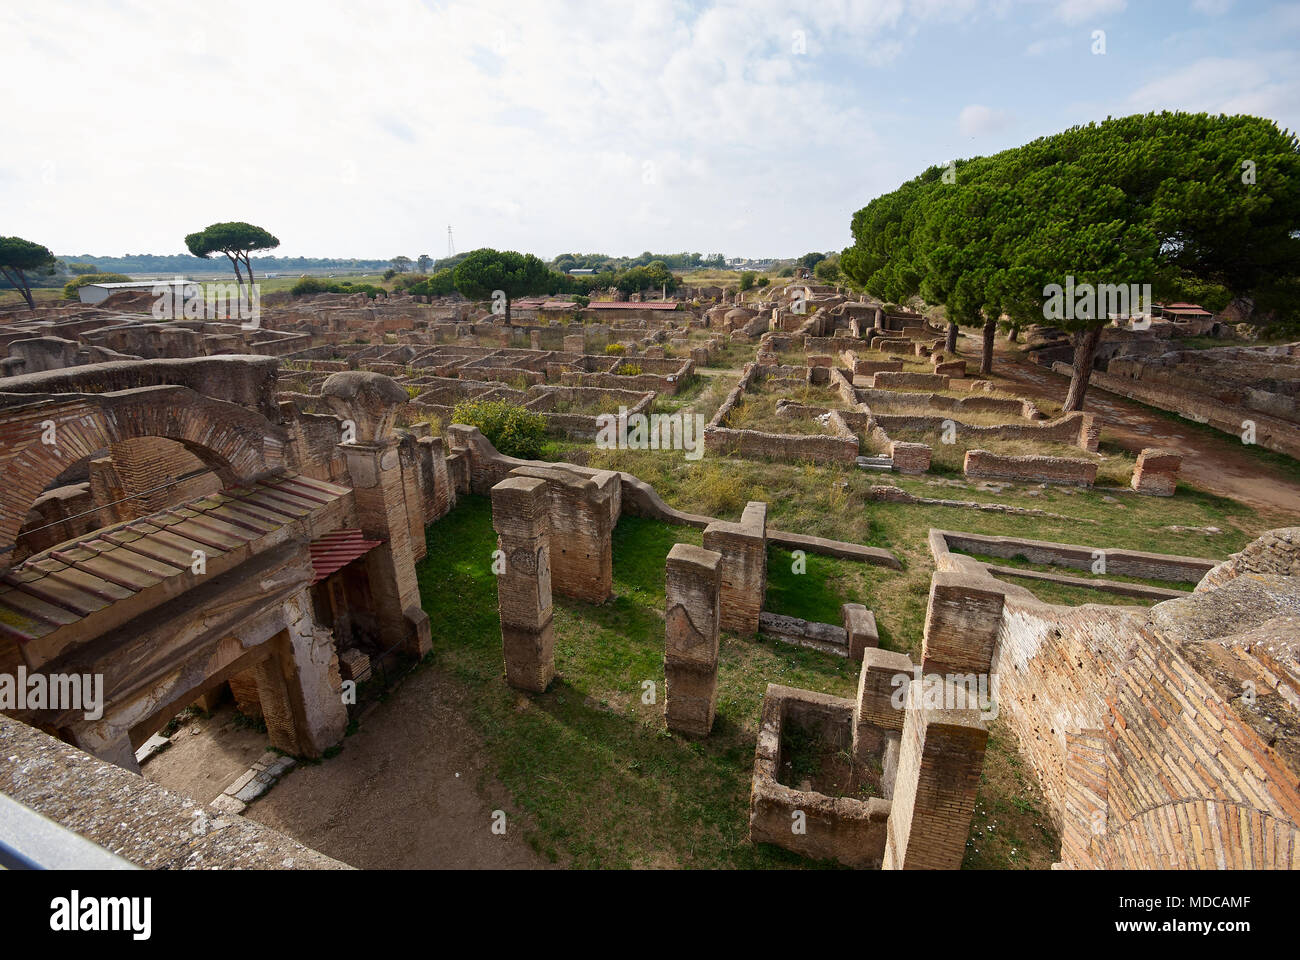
(601, 781)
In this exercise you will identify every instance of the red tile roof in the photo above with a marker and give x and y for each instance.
(627, 305)
(336, 550)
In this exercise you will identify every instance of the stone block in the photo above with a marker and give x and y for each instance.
(859, 628)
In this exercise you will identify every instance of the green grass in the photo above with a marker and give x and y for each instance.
(602, 782)
(817, 593)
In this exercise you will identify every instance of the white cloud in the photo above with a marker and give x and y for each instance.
(1266, 85)
(978, 120)
(1081, 11)
(1041, 48)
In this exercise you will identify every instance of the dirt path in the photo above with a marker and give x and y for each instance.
(1216, 464)
(405, 792)
(207, 755)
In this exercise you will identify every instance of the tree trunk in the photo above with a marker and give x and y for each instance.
(239, 277)
(18, 280)
(986, 356)
(1014, 335)
(1086, 343)
(950, 345)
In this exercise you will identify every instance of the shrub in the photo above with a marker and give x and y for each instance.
(762, 282)
(72, 286)
(616, 349)
(310, 285)
(747, 278)
(627, 370)
(510, 428)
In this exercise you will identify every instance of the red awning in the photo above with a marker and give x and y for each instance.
(336, 550)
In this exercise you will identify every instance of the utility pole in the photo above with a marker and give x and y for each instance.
(451, 247)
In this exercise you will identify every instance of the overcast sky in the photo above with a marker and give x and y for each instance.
(749, 128)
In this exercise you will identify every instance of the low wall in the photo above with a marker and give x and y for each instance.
(1076, 429)
(1125, 563)
(1270, 432)
(981, 464)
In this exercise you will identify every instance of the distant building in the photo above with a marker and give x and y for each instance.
(581, 272)
(99, 292)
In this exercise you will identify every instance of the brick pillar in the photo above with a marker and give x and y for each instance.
(1156, 473)
(694, 579)
(878, 710)
(410, 466)
(743, 547)
(378, 491)
(583, 512)
(521, 518)
(273, 695)
(106, 489)
(941, 755)
(961, 625)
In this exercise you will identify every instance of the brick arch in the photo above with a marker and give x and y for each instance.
(238, 444)
(1159, 837)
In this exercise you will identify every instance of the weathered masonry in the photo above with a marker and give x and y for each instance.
(307, 531)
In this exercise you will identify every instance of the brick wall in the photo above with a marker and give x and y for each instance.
(985, 465)
(1146, 758)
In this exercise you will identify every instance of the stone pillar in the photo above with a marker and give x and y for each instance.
(108, 744)
(693, 577)
(367, 403)
(521, 518)
(743, 547)
(1156, 473)
(961, 625)
(859, 628)
(308, 660)
(941, 756)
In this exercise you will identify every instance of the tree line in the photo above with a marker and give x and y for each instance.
(1200, 207)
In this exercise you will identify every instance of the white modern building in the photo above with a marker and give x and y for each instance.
(99, 292)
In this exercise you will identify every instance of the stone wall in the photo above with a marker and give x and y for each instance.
(583, 513)
(981, 464)
(1271, 432)
(1135, 724)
